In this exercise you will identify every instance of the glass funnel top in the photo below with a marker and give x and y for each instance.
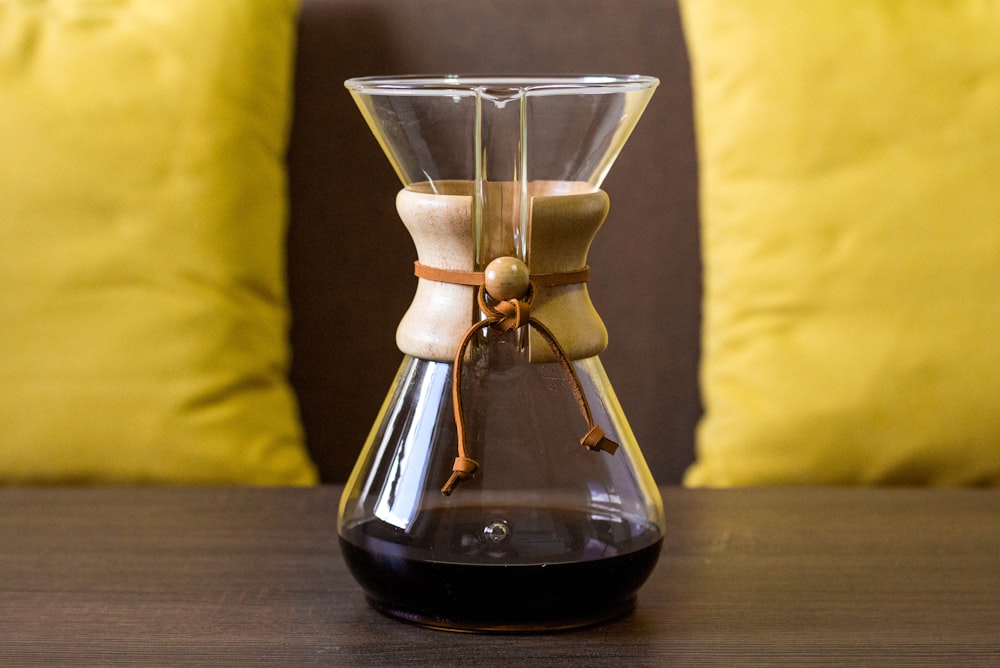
(502, 128)
(468, 84)
(503, 140)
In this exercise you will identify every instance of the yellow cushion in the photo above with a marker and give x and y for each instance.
(850, 157)
(143, 313)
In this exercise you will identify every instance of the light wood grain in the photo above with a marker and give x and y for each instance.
(237, 576)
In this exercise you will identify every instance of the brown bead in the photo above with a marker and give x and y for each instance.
(506, 278)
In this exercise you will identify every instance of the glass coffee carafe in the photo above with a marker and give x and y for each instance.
(501, 488)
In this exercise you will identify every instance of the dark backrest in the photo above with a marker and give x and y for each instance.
(350, 260)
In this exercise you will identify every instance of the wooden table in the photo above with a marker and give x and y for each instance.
(242, 576)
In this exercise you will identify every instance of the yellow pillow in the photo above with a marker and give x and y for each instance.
(850, 156)
(143, 313)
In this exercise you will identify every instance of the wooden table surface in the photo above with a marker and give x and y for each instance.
(247, 576)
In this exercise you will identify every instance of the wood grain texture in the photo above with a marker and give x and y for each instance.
(241, 576)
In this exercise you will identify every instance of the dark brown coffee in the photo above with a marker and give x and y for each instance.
(503, 570)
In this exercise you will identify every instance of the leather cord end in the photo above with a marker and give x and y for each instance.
(463, 469)
(596, 440)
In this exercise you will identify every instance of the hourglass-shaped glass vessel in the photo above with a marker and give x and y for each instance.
(500, 488)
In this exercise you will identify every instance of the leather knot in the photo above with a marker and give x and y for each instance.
(513, 313)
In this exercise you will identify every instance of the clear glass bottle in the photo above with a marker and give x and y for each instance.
(538, 523)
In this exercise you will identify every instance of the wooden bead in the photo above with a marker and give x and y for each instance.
(506, 278)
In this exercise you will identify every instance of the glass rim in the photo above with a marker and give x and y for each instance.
(490, 84)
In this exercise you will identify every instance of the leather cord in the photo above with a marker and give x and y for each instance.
(505, 316)
(476, 278)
